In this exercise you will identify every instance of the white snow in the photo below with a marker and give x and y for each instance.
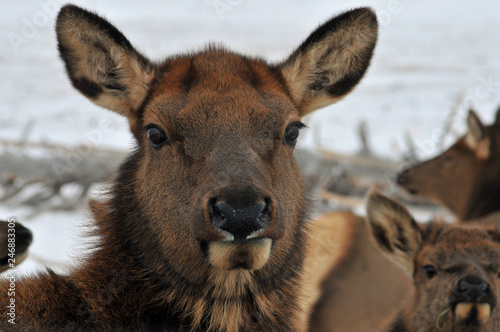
(428, 53)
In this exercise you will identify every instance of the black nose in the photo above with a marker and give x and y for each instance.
(473, 288)
(240, 221)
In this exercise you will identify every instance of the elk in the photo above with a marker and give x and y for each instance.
(455, 269)
(206, 226)
(354, 286)
(466, 177)
(20, 239)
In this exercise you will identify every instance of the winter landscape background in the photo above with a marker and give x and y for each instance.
(429, 53)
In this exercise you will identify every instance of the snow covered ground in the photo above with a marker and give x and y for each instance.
(428, 53)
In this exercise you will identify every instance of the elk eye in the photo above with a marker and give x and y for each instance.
(157, 136)
(430, 270)
(292, 132)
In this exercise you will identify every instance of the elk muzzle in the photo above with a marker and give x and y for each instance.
(240, 223)
(244, 217)
(473, 300)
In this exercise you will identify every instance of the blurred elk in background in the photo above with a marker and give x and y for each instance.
(455, 270)
(466, 177)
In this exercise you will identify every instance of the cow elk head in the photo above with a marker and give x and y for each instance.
(465, 177)
(213, 175)
(455, 268)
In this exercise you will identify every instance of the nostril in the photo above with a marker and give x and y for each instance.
(216, 215)
(463, 285)
(473, 288)
(240, 222)
(241, 214)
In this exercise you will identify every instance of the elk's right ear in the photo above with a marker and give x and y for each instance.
(332, 60)
(101, 62)
(477, 138)
(394, 229)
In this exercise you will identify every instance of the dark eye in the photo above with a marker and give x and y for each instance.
(157, 136)
(430, 270)
(292, 132)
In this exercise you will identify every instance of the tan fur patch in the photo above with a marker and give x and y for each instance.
(483, 312)
(253, 254)
(463, 309)
(328, 238)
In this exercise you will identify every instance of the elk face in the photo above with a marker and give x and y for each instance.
(214, 174)
(460, 269)
(455, 268)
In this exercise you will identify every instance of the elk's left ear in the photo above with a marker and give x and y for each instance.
(394, 229)
(332, 60)
(477, 138)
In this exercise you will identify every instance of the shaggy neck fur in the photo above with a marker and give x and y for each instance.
(213, 300)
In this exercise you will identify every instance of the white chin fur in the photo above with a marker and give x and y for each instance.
(246, 254)
(463, 310)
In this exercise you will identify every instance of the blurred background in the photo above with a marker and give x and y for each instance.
(433, 61)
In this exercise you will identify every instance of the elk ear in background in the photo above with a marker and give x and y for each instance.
(477, 137)
(394, 229)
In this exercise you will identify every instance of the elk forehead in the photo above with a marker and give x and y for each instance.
(220, 94)
(452, 246)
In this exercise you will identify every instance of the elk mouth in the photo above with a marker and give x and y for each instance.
(472, 313)
(251, 254)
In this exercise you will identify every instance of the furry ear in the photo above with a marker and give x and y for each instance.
(477, 138)
(101, 62)
(394, 229)
(332, 60)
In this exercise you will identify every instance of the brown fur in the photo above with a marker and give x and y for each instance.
(464, 178)
(328, 245)
(356, 288)
(160, 263)
(440, 257)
